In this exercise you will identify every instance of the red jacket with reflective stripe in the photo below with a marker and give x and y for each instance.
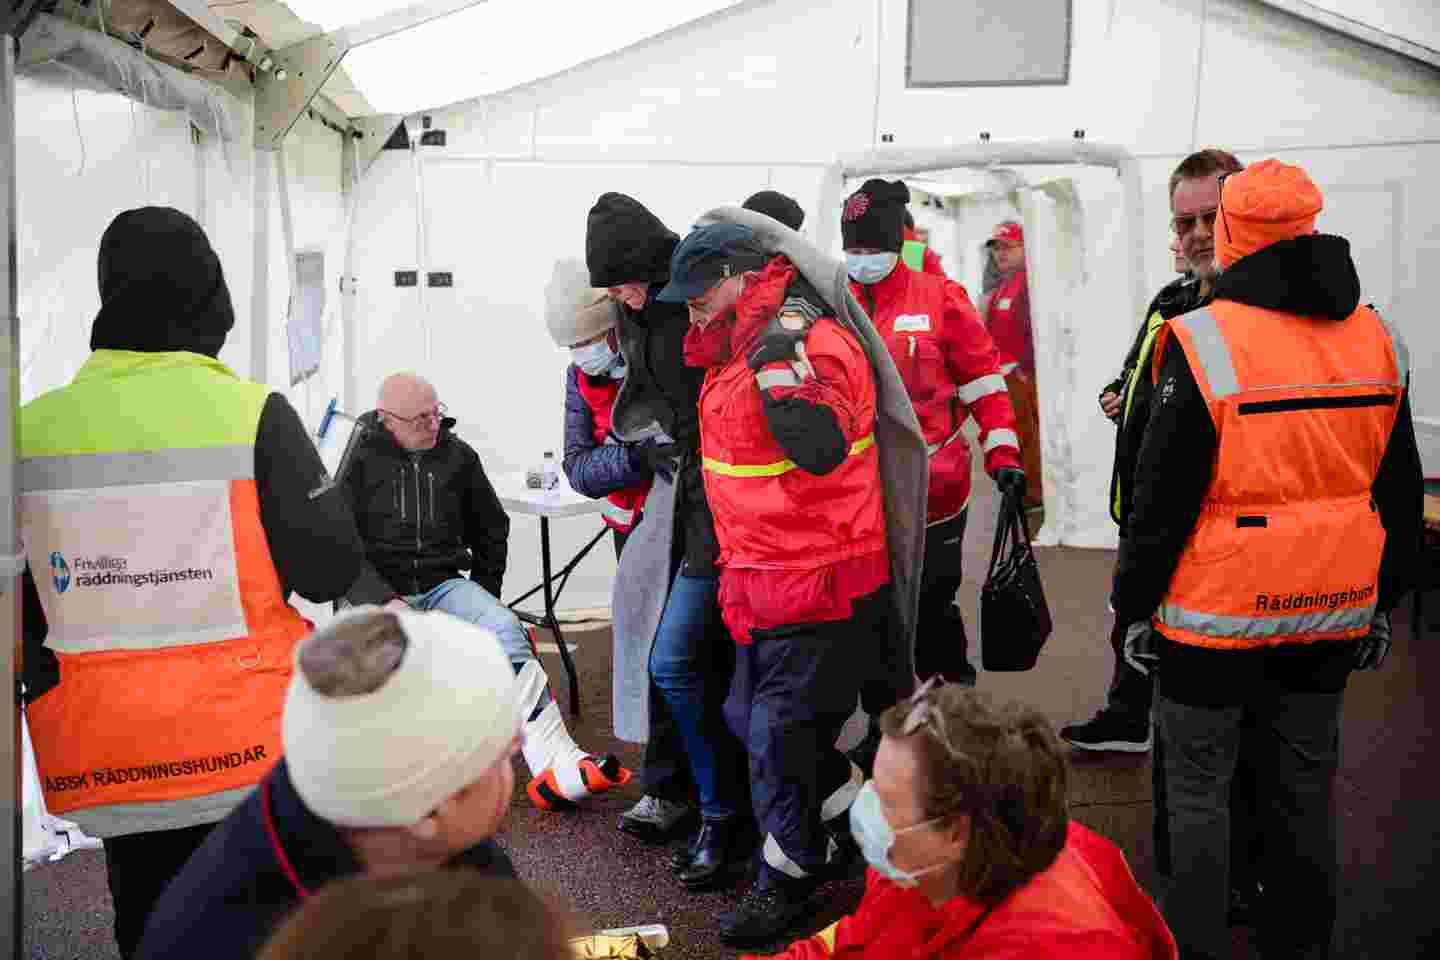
(770, 514)
(625, 504)
(1008, 320)
(951, 370)
(1288, 544)
(1084, 906)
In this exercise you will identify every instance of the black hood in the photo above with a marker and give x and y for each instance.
(161, 286)
(625, 243)
(1310, 276)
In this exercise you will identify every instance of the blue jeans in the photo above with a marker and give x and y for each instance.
(468, 600)
(690, 664)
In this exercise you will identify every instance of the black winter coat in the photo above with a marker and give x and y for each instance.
(424, 516)
(1174, 299)
(232, 894)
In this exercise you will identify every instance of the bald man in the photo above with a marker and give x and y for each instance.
(426, 511)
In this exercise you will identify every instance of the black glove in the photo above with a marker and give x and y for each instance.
(1374, 647)
(790, 325)
(659, 458)
(1011, 482)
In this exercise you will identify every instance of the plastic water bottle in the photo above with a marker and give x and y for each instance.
(550, 471)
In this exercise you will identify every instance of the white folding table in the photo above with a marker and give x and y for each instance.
(561, 501)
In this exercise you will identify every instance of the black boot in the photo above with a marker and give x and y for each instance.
(768, 910)
(718, 853)
(680, 859)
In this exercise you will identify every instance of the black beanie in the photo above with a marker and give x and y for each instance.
(161, 286)
(777, 206)
(874, 216)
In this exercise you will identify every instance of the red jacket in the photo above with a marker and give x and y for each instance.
(952, 370)
(794, 547)
(625, 505)
(1086, 906)
(1008, 319)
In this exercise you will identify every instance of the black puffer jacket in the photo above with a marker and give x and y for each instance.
(424, 516)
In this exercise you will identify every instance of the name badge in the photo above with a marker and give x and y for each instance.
(1003, 304)
(912, 321)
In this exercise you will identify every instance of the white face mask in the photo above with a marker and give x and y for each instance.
(596, 359)
(870, 268)
(872, 831)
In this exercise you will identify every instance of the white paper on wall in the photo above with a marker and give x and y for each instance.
(307, 310)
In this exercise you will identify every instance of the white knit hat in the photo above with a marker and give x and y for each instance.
(574, 310)
(388, 758)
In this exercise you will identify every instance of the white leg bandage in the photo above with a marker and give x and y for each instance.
(548, 745)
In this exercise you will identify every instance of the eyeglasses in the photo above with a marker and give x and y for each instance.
(923, 714)
(436, 415)
(1186, 223)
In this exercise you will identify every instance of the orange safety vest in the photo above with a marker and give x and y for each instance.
(141, 524)
(769, 513)
(1287, 548)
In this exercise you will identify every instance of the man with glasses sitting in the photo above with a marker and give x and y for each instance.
(426, 511)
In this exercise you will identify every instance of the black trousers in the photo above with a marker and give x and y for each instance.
(1131, 692)
(941, 645)
(139, 867)
(793, 690)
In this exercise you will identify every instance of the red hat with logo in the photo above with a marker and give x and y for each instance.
(1007, 232)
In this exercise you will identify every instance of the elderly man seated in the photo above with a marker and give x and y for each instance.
(972, 851)
(426, 511)
(398, 733)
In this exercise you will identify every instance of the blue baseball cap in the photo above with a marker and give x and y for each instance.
(708, 255)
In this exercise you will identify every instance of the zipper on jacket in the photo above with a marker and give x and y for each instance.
(912, 347)
(400, 491)
(431, 478)
(419, 512)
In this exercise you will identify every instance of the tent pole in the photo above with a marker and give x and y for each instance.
(10, 643)
(260, 271)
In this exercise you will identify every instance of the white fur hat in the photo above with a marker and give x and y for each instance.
(574, 310)
(389, 757)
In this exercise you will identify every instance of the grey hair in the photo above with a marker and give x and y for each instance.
(355, 655)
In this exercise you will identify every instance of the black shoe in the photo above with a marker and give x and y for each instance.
(715, 853)
(1109, 732)
(655, 820)
(1245, 904)
(768, 910)
(681, 858)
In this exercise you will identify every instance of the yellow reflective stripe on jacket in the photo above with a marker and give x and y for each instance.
(1142, 362)
(774, 469)
(827, 936)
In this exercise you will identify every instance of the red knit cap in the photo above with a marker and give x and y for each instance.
(1261, 205)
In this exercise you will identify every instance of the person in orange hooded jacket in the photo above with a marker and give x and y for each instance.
(972, 852)
(791, 469)
(951, 370)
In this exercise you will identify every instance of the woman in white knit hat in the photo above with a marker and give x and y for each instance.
(581, 319)
(399, 730)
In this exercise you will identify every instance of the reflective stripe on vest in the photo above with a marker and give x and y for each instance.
(1319, 622)
(1001, 438)
(913, 253)
(1288, 543)
(775, 469)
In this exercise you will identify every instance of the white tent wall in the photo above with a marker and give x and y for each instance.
(695, 117)
(72, 183)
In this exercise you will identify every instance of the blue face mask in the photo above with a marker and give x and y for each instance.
(870, 268)
(598, 359)
(876, 837)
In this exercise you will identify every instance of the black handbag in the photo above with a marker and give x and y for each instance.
(1014, 617)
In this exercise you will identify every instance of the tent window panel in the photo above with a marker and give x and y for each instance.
(988, 43)
(306, 334)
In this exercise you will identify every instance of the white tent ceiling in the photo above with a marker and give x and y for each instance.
(493, 46)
